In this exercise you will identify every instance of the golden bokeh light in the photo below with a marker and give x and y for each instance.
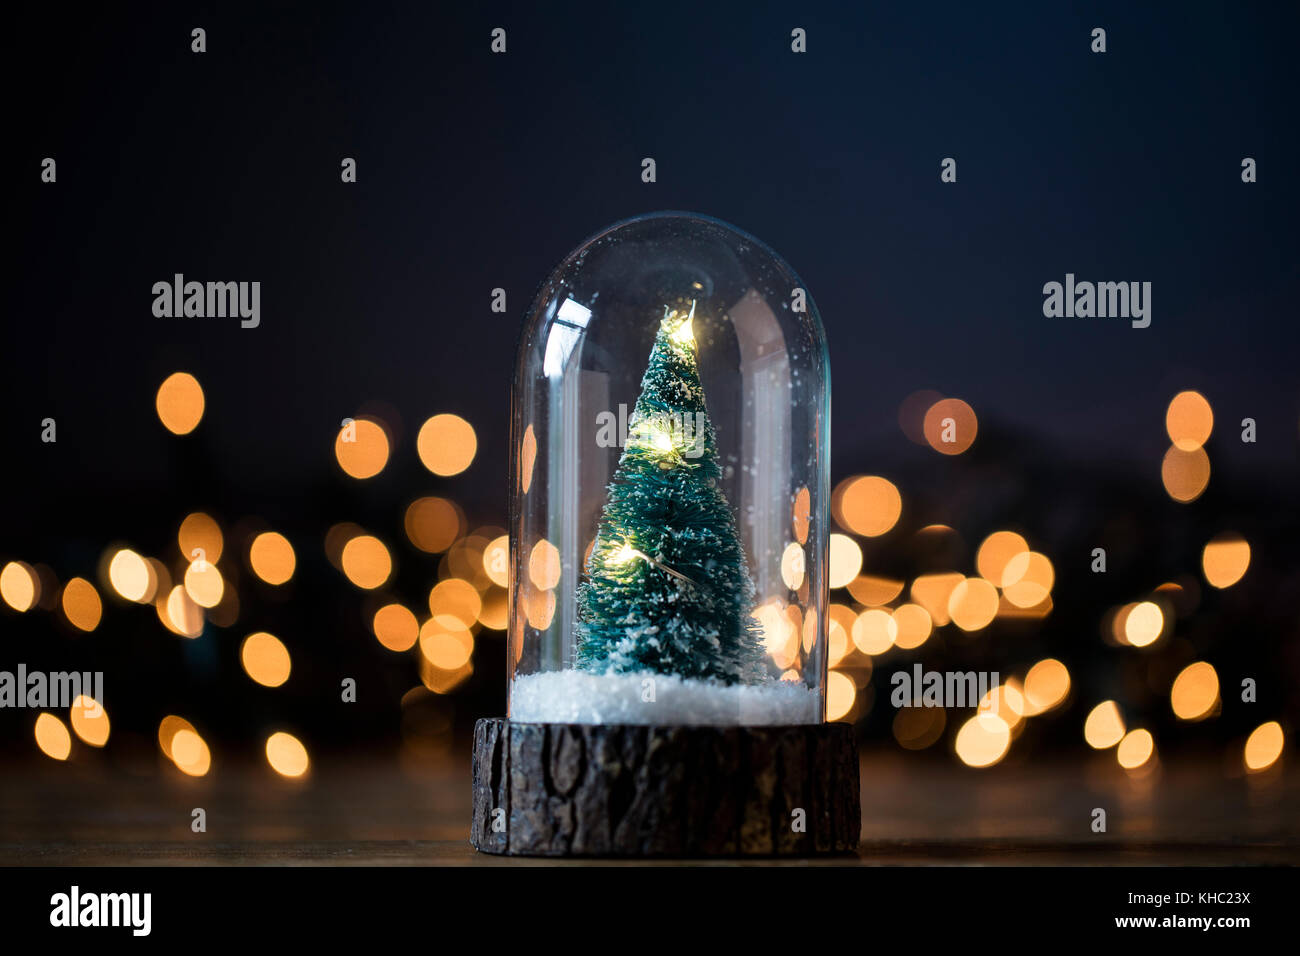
(361, 448)
(81, 604)
(913, 626)
(1135, 749)
(875, 631)
(286, 754)
(801, 515)
(494, 613)
(89, 720)
(1263, 747)
(366, 562)
(1195, 692)
(446, 444)
(433, 524)
(446, 645)
(200, 539)
(539, 609)
(395, 627)
(1225, 560)
(983, 740)
(1005, 702)
(950, 426)
(1027, 579)
(793, 565)
(455, 603)
(265, 658)
(1189, 420)
(496, 560)
(932, 592)
(180, 614)
(1185, 474)
(1046, 686)
(868, 505)
(527, 459)
(130, 575)
(19, 585)
(973, 604)
(874, 591)
(845, 560)
(190, 753)
(52, 737)
(1143, 624)
(544, 565)
(180, 403)
(168, 727)
(1104, 726)
(840, 695)
(271, 557)
(996, 553)
(204, 584)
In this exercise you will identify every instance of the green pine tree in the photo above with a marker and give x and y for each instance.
(667, 587)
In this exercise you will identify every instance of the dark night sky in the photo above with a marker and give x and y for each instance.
(479, 171)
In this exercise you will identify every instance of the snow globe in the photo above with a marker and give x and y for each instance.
(669, 487)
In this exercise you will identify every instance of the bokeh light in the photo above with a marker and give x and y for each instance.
(81, 604)
(204, 584)
(1225, 560)
(912, 626)
(874, 631)
(1195, 692)
(200, 538)
(52, 737)
(1143, 624)
(1185, 474)
(544, 565)
(361, 448)
(395, 627)
(130, 575)
(19, 586)
(286, 754)
(1135, 749)
(950, 426)
(1104, 726)
(446, 444)
(996, 552)
(845, 560)
(973, 604)
(983, 740)
(867, 505)
(366, 562)
(265, 658)
(840, 695)
(89, 720)
(189, 752)
(1189, 420)
(496, 560)
(433, 524)
(1047, 684)
(272, 558)
(180, 403)
(1263, 747)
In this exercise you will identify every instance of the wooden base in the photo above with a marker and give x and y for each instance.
(625, 790)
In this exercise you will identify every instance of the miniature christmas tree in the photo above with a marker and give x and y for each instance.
(667, 587)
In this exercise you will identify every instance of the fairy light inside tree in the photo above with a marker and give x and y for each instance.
(667, 587)
(667, 625)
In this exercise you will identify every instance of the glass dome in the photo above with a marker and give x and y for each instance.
(670, 480)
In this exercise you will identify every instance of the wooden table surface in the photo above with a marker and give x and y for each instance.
(415, 811)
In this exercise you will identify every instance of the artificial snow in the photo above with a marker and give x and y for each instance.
(579, 697)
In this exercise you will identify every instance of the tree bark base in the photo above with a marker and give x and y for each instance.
(664, 791)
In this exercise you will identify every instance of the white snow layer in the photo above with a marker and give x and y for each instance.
(579, 697)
